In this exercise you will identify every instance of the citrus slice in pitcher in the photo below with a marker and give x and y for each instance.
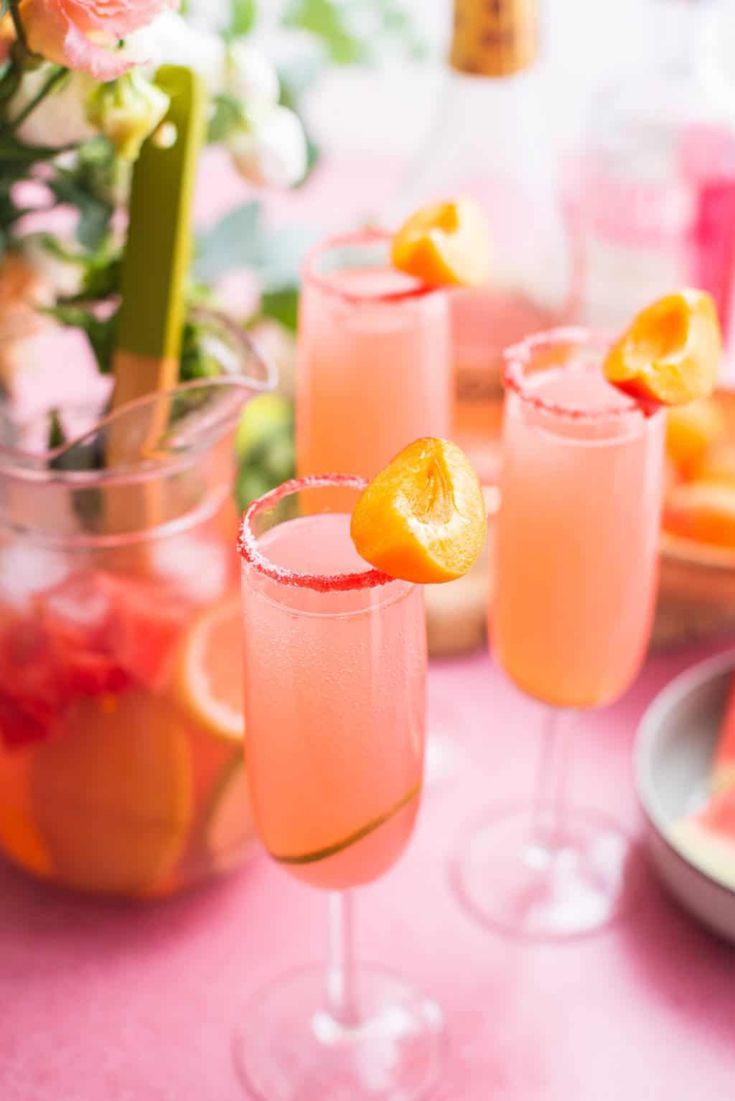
(229, 828)
(209, 676)
(671, 353)
(111, 793)
(445, 244)
(423, 517)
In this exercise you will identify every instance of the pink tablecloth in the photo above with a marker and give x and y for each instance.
(105, 1002)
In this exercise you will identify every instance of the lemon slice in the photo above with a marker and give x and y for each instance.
(209, 675)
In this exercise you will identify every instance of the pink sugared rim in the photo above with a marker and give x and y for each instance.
(322, 583)
(364, 237)
(519, 356)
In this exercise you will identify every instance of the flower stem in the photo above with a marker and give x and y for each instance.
(18, 24)
(55, 77)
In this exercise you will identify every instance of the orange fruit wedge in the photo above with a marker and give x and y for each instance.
(209, 676)
(446, 244)
(691, 430)
(718, 464)
(703, 512)
(671, 353)
(423, 518)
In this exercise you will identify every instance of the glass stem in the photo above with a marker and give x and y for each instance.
(549, 804)
(341, 992)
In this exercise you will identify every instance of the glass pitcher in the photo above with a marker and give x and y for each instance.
(121, 766)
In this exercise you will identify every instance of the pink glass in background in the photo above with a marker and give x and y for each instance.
(373, 359)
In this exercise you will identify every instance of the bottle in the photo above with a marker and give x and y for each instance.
(656, 205)
(489, 139)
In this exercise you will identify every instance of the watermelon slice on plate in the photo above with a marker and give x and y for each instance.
(707, 838)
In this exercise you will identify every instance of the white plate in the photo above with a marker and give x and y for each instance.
(673, 762)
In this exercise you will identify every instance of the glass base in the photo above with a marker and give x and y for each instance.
(576, 883)
(291, 1049)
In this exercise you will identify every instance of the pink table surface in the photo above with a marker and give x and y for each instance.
(114, 1002)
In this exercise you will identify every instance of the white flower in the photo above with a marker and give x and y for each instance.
(127, 110)
(61, 117)
(171, 40)
(272, 151)
(251, 77)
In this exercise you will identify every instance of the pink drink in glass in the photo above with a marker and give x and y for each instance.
(577, 546)
(374, 359)
(577, 551)
(334, 683)
(335, 667)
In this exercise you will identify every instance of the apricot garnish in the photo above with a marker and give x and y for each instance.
(691, 431)
(423, 517)
(718, 464)
(445, 244)
(671, 352)
(703, 512)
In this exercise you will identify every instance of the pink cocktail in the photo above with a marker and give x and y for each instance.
(577, 551)
(335, 667)
(374, 359)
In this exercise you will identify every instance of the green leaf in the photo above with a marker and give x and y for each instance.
(236, 241)
(281, 305)
(196, 362)
(95, 213)
(328, 22)
(56, 434)
(283, 253)
(244, 16)
(4, 8)
(227, 116)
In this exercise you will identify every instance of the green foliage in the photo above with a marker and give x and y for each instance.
(281, 305)
(265, 447)
(235, 241)
(329, 22)
(243, 17)
(196, 363)
(351, 31)
(226, 117)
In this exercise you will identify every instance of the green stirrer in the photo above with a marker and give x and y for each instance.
(158, 250)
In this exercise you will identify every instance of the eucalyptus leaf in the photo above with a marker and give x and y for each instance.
(236, 241)
(328, 22)
(283, 254)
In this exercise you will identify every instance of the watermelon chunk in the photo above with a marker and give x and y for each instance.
(707, 838)
(147, 623)
(94, 634)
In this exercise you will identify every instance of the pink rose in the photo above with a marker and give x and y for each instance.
(86, 34)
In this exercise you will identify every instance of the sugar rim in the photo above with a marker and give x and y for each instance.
(247, 543)
(519, 356)
(368, 236)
